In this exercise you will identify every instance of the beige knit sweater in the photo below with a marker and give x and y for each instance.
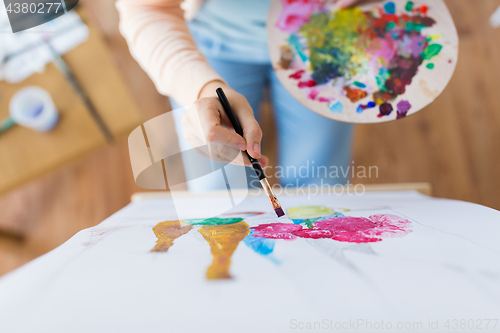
(159, 39)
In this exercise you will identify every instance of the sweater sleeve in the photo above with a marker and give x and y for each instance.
(160, 41)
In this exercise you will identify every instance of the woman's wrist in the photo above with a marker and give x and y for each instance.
(208, 89)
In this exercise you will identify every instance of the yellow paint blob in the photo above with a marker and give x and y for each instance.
(307, 212)
(223, 241)
(432, 38)
(167, 232)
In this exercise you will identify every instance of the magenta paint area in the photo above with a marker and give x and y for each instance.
(372, 59)
(343, 229)
(277, 230)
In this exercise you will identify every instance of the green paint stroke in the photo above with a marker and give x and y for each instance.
(430, 65)
(410, 26)
(409, 6)
(431, 51)
(293, 40)
(333, 41)
(382, 77)
(309, 223)
(214, 221)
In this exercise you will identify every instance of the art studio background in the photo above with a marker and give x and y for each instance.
(54, 184)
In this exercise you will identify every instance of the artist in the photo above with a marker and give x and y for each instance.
(223, 43)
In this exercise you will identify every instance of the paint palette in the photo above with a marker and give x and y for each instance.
(377, 62)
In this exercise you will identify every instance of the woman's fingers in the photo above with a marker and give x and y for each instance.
(228, 153)
(207, 124)
(264, 161)
(251, 128)
(217, 133)
(207, 115)
(253, 136)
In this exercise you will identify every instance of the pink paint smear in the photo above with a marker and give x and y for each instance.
(343, 229)
(296, 13)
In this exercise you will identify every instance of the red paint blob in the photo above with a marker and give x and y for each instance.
(378, 25)
(422, 9)
(309, 83)
(313, 94)
(297, 75)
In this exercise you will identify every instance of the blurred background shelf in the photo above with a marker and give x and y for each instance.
(26, 154)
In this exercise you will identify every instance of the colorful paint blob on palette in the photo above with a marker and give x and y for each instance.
(370, 57)
(311, 222)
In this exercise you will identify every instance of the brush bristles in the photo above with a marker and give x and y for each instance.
(272, 197)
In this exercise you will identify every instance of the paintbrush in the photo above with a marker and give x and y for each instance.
(255, 164)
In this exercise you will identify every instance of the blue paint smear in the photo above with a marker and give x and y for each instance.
(362, 107)
(293, 40)
(332, 216)
(390, 7)
(337, 107)
(261, 245)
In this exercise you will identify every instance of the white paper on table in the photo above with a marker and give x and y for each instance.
(64, 33)
(105, 279)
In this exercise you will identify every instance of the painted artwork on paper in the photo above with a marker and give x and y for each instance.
(224, 234)
(373, 63)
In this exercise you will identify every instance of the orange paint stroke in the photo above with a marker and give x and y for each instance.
(167, 232)
(223, 241)
(355, 94)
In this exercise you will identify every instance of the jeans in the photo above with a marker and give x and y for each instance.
(311, 149)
